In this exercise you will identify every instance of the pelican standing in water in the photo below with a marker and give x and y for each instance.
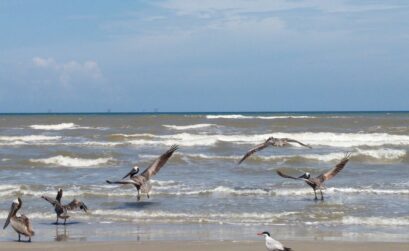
(318, 182)
(275, 142)
(273, 245)
(141, 181)
(21, 224)
(62, 210)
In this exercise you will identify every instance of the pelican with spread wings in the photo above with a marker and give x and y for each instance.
(275, 142)
(318, 182)
(141, 181)
(62, 210)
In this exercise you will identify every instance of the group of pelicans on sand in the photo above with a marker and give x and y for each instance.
(22, 225)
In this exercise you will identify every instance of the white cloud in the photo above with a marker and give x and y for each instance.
(71, 71)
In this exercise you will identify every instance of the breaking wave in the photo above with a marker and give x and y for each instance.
(238, 116)
(188, 127)
(311, 138)
(72, 162)
(57, 127)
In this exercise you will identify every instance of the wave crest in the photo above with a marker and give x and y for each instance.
(72, 162)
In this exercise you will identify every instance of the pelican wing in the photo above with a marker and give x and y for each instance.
(257, 148)
(298, 142)
(75, 204)
(22, 225)
(52, 201)
(59, 196)
(334, 171)
(158, 163)
(122, 182)
(27, 223)
(291, 177)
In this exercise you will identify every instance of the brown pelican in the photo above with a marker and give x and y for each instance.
(273, 245)
(318, 182)
(275, 142)
(141, 181)
(62, 210)
(21, 224)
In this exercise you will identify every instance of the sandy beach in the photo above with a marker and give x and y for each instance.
(205, 245)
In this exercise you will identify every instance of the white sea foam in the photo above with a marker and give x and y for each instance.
(378, 154)
(188, 127)
(376, 221)
(164, 216)
(58, 127)
(311, 138)
(238, 116)
(384, 153)
(72, 162)
(29, 138)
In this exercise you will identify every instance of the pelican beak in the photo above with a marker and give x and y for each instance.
(131, 173)
(11, 214)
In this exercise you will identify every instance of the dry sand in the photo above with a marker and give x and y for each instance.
(203, 246)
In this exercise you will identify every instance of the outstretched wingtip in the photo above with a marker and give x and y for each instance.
(109, 182)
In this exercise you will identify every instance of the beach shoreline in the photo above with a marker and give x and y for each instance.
(204, 245)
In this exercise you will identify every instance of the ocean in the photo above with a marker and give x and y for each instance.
(202, 193)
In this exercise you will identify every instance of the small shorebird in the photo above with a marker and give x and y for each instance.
(318, 182)
(273, 245)
(62, 210)
(21, 224)
(275, 142)
(141, 181)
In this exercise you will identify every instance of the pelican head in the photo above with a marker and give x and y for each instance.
(15, 206)
(265, 234)
(133, 172)
(306, 175)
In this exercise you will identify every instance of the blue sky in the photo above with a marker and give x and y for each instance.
(207, 55)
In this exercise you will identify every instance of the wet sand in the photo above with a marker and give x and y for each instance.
(203, 246)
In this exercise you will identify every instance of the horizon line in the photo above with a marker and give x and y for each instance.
(202, 112)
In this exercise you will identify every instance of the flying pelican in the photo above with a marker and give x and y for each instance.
(21, 224)
(275, 142)
(318, 182)
(141, 181)
(62, 210)
(273, 245)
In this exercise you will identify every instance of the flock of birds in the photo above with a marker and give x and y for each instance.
(22, 224)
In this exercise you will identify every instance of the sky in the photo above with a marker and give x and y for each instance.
(204, 55)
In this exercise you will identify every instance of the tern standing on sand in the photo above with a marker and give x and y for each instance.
(141, 181)
(273, 245)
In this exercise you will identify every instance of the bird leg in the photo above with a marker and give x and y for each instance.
(19, 237)
(29, 239)
(65, 220)
(322, 195)
(139, 196)
(147, 195)
(56, 223)
(315, 193)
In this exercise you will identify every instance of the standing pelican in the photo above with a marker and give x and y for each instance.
(275, 142)
(273, 245)
(141, 181)
(21, 224)
(318, 182)
(62, 210)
